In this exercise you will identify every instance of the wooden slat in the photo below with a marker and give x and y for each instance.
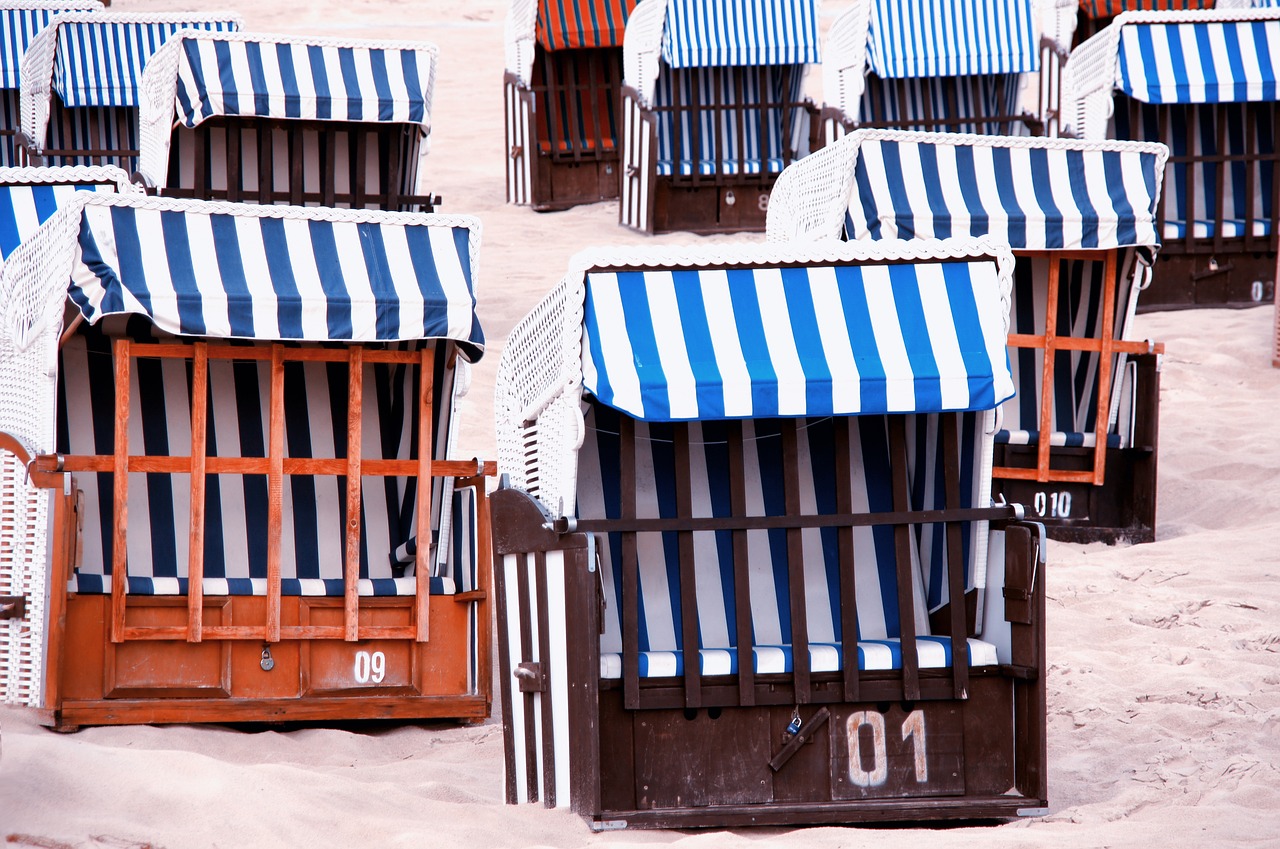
(1053, 475)
(48, 463)
(1046, 374)
(234, 171)
(545, 701)
(355, 426)
(120, 486)
(264, 353)
(690, 642)
(763, 523)
(1084, 343)
(199, 433)
(741, 568)
(1220, 176)
(630, 568)
(959, 626)
(1104, 368)
(275, 494)
(426, 444)
(297, 156)
(845, 554)
(484, 580)
(526, 655)
(1251, 157)
(795, 562)
(358, 140)
(902, 551)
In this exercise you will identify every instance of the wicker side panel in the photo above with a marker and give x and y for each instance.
(520, 144)
(23, 525)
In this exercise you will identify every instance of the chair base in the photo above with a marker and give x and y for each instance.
(725, 208)
(563, 184)
(1233, 278)
(158, 681)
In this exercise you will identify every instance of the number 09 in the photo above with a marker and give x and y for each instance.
(370, 667)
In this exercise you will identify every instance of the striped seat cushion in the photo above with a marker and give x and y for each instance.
(924, 104)
(1232, 228)
(709, 167)
(91, 583)
(1057, 439)
(873, 655)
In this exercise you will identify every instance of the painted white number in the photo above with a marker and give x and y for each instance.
(1056, 505)
(762, 202)
(1256, 290)
(370, 667)
(912, 727)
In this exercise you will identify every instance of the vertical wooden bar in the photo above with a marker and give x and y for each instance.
(688, 578)
(120, 481)
(355, 432)
(275, 493)
(391, 148)
(741, 570)
(902, 551)
(199, 433)
(1223, 162)
(545, 703)
(266, 172)
(555, 129)
(426, 450)
(1193, 164)
(845, 553)
(595, 62)
(201, 164)
(234, 171)
(1046, 375)
(526, 655)
(795, 561)
(1104, 366)
(630, 568)
(358, 139)
(787, 108)
(1251, 156)
(60, 562)
(297, 158)
(484, 581)
(955, 556)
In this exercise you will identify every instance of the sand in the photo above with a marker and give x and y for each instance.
(1164, 659)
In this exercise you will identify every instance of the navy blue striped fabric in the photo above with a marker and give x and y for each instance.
(1200, 61)
(99, 584)
(948, 38)
(25, 206)
(711, 33)
(17, 27)
(943, 104)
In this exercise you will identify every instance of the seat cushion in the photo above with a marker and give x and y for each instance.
(88, 583)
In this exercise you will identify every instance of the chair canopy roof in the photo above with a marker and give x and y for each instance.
(715, 33)
(798, 330)
(571, 24)
(1111, 8)
(1033, 193)
(30, 196)
(223, 270)
(221, 73)
(19, 23)
(951, 38)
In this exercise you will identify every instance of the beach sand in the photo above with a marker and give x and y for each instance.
(1164, 659)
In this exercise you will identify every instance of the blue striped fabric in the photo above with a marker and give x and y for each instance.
(711, 33)
(1032, 196)
(255, 275)
(90, 583)
(25, 206)
(1200, 61)
(231, 76)
(922, 104)
(18, 25)
(949, 38)
(752, 343)
(99, 63)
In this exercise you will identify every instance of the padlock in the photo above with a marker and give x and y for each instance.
(268, 662)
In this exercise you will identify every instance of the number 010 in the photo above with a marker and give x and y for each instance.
(370, 667)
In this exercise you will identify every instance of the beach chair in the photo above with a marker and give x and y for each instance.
(563, 87)
(20, 20)
(780, 455)
(1057, 25)
(936, 65)
(1151, 76)
(29, 196)
(712, 110)
(248, 509)
(1080, 217)
(79, 94)
(1097, 14)
(293, 120)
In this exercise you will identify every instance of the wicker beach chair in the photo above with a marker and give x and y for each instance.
(243, 458)
(935, 65)
(283, 119)
(80, 74)
(778, 455)
(20, 20)
(1196, 82)
(712, 110)
(563, 87)
(1078, 443)
(30, 196)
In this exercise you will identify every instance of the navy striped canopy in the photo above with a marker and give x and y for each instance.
(25, 206)
(833, 339)
(952, 38)
(714, 33)
(18, 25)
(100, 62)
(1032, 193)
(1213, 61)
(229, 75)
(258, 272)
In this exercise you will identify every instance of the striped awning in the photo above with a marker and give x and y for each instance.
(1111, 8)
(278, 273)
(24, 206)
(1212, 61)
(19, 23)
(807, 341)
(271, 78)
(715, 33)
(100, 62)
(570, 24)
(1035, 194)
(952, 38)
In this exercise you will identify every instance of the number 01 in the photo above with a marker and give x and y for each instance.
(912, 728)
(370, 666)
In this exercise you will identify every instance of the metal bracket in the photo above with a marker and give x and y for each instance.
(1213, 269)
(805, 734)
(12, 606)
(531, 677)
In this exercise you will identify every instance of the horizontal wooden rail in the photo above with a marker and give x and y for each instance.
(750, 523)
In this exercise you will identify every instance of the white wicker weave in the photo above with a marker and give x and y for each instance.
(538, 394)
(1092, 70)
(642, 48)
(1057, 20)
(519, 33)
(69, 174)
(53, 5)
(844, 60)
(37, 63)
(157, 93)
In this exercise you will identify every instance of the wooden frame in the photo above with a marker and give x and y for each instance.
(166, 638)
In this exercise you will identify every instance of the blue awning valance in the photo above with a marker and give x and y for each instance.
(572, 24)
(800, 341)
(952, 38)
(24, 206)
(1213, 61)
(714, 33)
(20, 23)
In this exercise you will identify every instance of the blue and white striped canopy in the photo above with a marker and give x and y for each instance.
(100, 62)
(273, 273)
(19, 25)
(1212, 61)
(293, 79)
(952, 38)
(808, 341)
(25, 206)
(715, 33)
(1034, 194)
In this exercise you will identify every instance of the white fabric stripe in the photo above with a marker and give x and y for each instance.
(900, 393)
(355, 274)
(731, 359)
(713, 622)
(659, 618)
(452, 277)
(615, 348)
(253, 256)
(557, 699)
(953, 379)
(780, 337)
(672, 352)
(836, 347)
(511, 564)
